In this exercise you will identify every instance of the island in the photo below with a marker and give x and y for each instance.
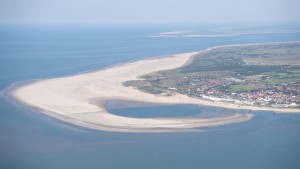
(225, 76)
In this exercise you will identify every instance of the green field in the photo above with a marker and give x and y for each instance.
(240, 88)
(280, 78)
(275, 56)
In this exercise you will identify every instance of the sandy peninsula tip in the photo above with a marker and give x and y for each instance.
(69, 99)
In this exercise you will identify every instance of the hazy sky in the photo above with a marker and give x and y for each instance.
(148, 11)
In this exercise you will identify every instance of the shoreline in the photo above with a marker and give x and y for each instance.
(72, 98)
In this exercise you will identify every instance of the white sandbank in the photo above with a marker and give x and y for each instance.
(80, 99)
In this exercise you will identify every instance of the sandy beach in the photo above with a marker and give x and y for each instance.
(80, 99)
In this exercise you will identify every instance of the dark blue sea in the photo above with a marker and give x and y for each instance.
(32, 140)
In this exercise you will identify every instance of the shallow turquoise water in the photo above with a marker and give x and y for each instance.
(32, 140)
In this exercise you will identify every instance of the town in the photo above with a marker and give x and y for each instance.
(248, 93)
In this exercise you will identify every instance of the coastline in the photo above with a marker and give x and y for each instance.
(72, 98)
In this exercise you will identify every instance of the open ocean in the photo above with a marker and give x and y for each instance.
(33, 140)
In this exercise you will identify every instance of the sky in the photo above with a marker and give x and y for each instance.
(149, 11)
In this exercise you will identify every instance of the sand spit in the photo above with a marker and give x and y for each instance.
(70, 99)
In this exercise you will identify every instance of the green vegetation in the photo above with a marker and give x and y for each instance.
(283, 78)
(144, 86)
(274, 55)
(240, 88)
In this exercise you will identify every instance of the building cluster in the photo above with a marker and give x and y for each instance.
(283, 95)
